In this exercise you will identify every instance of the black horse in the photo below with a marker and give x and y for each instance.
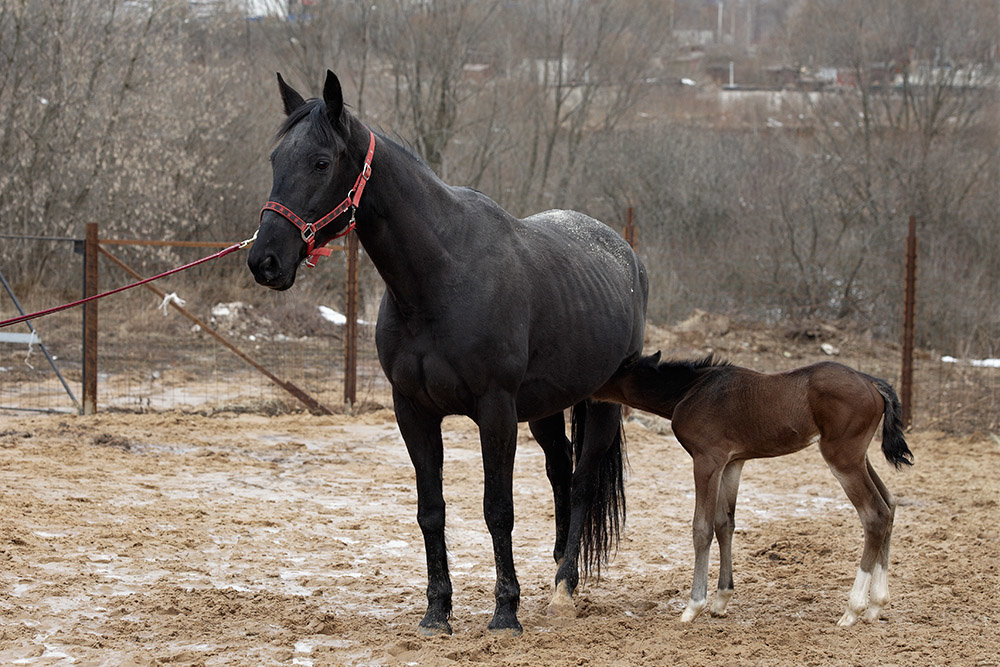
(484, 315)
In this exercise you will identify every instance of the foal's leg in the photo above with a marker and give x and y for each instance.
(878, 596)
(876, 519)
(725, 524)
(707, 480)
(422, 435)
(603, 420)
(550, 432)
(497, 419)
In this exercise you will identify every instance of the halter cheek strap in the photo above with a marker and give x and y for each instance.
(309, 229)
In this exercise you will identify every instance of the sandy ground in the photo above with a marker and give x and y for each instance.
(240, 539)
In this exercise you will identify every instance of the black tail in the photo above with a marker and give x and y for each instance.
(606, 510)
(893, 444)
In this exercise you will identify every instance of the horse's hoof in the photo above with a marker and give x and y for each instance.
(507, 632)
(561, 610)
(505, 623)
(562, 604)
(434, 629)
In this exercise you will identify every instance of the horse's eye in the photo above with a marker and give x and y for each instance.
(322, 165)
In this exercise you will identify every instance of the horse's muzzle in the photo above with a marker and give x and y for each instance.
(267, 271)
(276, 253)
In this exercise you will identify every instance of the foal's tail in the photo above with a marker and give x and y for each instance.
(893, 444)
(606, 512)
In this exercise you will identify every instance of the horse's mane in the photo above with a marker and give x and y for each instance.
(315, 109)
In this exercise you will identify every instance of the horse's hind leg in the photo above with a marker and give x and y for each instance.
(550, 432)
(878, 596)
(707, 480)
(876, 518)
(725, 524)
(595, 498)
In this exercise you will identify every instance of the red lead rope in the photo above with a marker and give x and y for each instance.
(42, 313)
(309, 229)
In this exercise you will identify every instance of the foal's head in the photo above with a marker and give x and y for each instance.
(313, 173)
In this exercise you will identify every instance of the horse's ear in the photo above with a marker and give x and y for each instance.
(291, 99)
(654, 358)
(333, 96)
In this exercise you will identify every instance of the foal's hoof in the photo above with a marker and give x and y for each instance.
(848, 619)
(562, 604)
(434, 628)
(720, 602)
(693, 610)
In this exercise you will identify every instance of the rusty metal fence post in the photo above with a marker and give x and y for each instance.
(88, 405)
(909, 317)
(630, 233)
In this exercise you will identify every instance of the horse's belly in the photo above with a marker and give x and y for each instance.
(535, 400)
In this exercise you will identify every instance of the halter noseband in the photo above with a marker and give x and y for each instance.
(309, 229)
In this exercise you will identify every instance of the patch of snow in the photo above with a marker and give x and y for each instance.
(330, 315)
(226, 309)
(986, 363)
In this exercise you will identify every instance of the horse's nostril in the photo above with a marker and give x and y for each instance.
(266, 269)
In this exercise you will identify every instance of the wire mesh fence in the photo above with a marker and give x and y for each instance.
(151, 358)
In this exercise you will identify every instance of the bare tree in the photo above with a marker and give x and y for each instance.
(910, 133)
(587, 66)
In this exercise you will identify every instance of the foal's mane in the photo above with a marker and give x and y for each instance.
(663, 383)
(694, 366)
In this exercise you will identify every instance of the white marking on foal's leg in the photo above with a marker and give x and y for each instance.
(879, 595)
(693, 610)
(562, 602)
(720, 601)
(858, 599)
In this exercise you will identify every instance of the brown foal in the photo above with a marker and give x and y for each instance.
(724, 414)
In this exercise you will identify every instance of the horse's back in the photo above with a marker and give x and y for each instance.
(598, 261)
(586, 291)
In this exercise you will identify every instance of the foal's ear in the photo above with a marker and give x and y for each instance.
(291, 99)
(333, 96)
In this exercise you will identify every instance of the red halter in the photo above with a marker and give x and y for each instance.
(309, 229)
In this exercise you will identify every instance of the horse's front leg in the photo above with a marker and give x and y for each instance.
(550, 432)
(497, 419)
(707, 476)
(422, 435)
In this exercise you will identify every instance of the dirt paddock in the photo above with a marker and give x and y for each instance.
(239, 539)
